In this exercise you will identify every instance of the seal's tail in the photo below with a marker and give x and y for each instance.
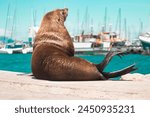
(107, 59)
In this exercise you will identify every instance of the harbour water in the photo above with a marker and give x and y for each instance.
(22, 62)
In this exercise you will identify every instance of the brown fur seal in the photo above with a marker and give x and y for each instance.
(53, 54)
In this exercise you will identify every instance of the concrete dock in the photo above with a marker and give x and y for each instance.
(16, 86)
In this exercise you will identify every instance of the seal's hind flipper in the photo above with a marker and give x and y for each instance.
(106, 60)
(120, 54)
(120, 72)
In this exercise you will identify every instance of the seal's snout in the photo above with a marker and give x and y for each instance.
(65, 10)
(65, 13)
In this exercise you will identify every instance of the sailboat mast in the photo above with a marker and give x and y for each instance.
(119, 22)
(129, 34)
(125, 28)
(78, 22)
(6, 24)
(105, 20)
(141, 27)
(92, 26)
(86, 20)
(14, 18)
(34, 18)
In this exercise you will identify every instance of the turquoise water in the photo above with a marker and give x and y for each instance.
(22, 62)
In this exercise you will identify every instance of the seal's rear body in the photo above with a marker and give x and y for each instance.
(52, 64)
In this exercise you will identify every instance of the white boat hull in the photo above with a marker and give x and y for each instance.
(79, 45)
(145, 40)
(27, 50)
(10, 51)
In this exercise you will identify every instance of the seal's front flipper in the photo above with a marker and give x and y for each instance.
(24, 74)
(120, 72)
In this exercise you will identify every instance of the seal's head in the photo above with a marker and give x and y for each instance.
(56, 17)
(53, 31)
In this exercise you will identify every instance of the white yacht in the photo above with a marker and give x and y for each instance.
(145, 40)
(12, 48)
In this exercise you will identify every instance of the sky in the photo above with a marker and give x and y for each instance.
(134, 11)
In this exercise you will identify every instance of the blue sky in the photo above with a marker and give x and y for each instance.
(133, 10)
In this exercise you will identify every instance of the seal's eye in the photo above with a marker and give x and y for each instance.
(62, 13)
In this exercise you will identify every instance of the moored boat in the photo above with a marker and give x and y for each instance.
(11, 48)
(27, 50)
(145, 40)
